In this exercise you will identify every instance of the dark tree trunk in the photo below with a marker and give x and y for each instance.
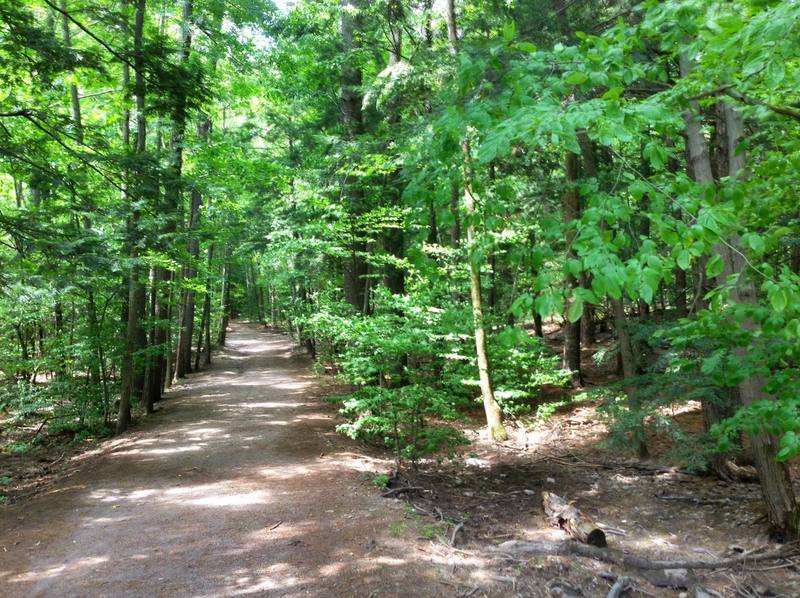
(135, 337)
(225, 297)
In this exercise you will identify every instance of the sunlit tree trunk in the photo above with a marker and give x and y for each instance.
(494, 418)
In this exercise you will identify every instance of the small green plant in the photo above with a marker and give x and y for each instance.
(380, 480)
(397, 529)
(429, 531)
(18, 447)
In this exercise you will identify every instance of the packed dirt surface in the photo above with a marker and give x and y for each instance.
(239, 485)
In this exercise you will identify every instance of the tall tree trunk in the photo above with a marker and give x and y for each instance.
(132, 373)
(355, 266)
(776, 485)
(452, 31)
(173, 187)
(494, 419)
(627, 357)
(225, 296)
(571, 356)
(183, 358)
(203, 334)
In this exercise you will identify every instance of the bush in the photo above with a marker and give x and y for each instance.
(400, 418)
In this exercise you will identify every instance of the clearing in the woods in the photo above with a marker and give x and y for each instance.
(241, 486)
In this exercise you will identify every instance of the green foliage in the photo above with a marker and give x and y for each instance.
(380, 480)
(522, 365)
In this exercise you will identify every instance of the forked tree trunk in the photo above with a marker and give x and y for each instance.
(774, 476)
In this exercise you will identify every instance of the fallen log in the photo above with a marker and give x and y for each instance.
(617, 557)
(571, 520)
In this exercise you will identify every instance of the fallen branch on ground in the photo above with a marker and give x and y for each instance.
(617, 557)
(571, 520)
(622, 585)
(456, 529)
(402, 489)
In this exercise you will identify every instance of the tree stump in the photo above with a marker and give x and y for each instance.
(571, 520)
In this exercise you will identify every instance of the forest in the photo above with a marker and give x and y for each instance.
(470, 214)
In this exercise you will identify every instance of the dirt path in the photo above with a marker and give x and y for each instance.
(239, 486)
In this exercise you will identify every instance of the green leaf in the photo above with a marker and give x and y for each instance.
(714, 266)
(754, 242)
(779, 299)
(575, 310)
(526, 47)
(576, 78)
(684, 260)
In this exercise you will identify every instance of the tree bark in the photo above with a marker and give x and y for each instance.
(135, 339)
(173, 198)
(355, 267)
(571, 355)
(225, 297)
(494, 419)
(562, 514)
(452, 32)
(774, 477)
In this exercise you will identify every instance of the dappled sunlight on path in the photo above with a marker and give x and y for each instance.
(238, 486)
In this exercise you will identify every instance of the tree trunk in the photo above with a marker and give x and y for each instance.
(774, 476)
(571, 355)
(494, 418)
(225, 297)
(627, 358)
(203, 335)
(452, 32)
(183, 360)
(132, 373)
(355, 266)
(183, 354)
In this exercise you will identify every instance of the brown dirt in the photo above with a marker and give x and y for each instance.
(239, 485)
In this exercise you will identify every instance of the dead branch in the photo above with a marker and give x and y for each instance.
(456, 529)
(617, 557)
(402, 489)
(622, 585)
(571, 520)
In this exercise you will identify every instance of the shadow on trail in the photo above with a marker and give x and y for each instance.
(238, 486)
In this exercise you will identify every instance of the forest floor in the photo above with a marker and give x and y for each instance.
(239, 485)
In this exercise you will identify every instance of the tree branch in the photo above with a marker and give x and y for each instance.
(22, 113)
